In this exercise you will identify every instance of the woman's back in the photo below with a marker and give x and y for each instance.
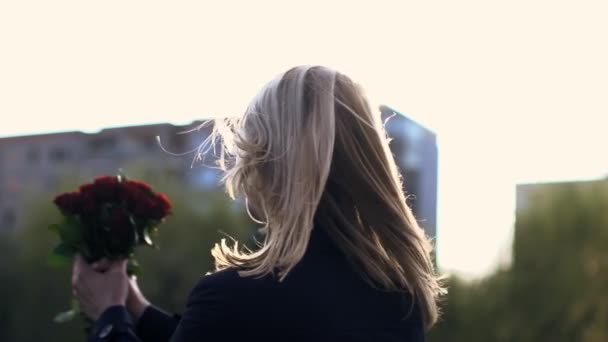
(322, 299)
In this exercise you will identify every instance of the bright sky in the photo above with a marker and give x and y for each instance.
(517, 91)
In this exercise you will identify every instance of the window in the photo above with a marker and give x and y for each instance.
(102, 144)
(33, 154)
(149, 143)
(58, 154)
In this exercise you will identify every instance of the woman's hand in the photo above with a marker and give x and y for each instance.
(97, 291)
(136, 302)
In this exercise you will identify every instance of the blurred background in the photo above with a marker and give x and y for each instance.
(497, 113)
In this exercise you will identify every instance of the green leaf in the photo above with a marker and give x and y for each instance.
(121, 176)
(149, 233)
(64, 250)
(74, 305)
(66, 316)
(147, 238)
(54, 228)
(135, 236)
(61, 256)
(133, 267)
(58, 261)
(71, 232)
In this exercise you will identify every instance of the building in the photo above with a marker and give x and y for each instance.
(38, 163)
(415, 150)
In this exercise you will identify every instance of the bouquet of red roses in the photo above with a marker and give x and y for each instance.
(108, 219)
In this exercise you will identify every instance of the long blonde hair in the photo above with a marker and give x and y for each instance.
(309, 152)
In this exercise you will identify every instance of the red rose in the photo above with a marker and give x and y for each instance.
(106, 188)
(90, 205)
(69, 202)
(141, 207)
(144, 187)
(88, 188)
(163, 205)
(121, 237)
(113, 213)
(153, 206)
(119, 221)
(133, 194)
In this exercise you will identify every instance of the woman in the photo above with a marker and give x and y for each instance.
(342, 258)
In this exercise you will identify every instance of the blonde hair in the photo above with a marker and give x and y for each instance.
(309, 152)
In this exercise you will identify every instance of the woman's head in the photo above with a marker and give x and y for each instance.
(309, 152)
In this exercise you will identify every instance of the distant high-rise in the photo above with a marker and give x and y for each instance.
(415, 151)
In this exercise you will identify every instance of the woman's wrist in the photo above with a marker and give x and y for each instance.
(137, 307)
(136, 302)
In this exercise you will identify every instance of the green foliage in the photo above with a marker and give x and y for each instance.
(555, 289)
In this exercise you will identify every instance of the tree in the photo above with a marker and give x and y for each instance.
(560, 268)
(555, 289)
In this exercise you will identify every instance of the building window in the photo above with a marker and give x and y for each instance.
(33, 154)
(58, 154)
(102, 144)
(147, 142)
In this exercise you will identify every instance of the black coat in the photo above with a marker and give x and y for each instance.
(322, 299)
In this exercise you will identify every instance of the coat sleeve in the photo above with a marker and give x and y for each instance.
(115, 325)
